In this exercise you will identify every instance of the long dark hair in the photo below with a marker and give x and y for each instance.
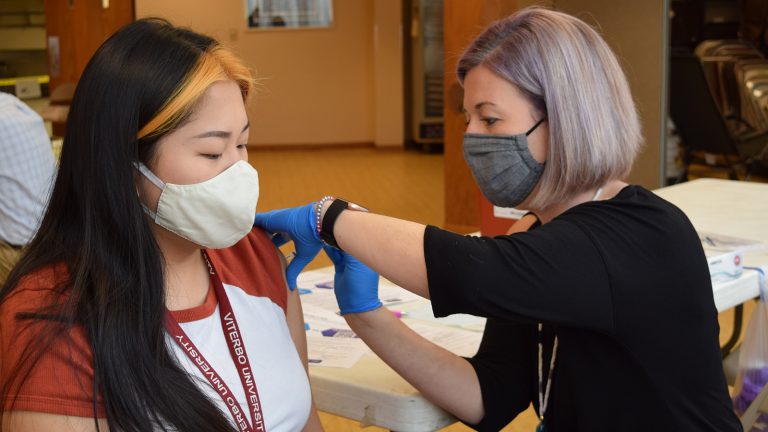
(95, 226)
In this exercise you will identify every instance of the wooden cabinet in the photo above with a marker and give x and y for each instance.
(22, 43)
(462, 22)
(75, 29)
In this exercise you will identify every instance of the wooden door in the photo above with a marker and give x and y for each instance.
(463, 21)
(78, 28)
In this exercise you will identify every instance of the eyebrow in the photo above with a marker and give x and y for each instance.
(478, 106)
(220, 134)
(481, 104)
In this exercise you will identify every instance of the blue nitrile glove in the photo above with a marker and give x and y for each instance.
(297, 224)
(355, 285)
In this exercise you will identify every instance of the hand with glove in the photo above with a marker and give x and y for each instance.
(297, 224)
(355, 285)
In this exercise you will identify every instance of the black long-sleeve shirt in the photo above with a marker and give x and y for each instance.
(624, 285)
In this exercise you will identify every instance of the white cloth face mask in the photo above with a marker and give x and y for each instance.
(216, 213)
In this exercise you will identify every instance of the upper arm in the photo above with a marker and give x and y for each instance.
(505, 365)
(554, 274)
(46, 366)
(29, 421)
(294, 316)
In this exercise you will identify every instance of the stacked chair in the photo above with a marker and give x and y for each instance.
(736, 76)
(719, 104)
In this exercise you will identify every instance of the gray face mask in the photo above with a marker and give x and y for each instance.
(503, 166)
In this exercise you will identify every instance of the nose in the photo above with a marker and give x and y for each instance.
(234, 154)
(474, 127)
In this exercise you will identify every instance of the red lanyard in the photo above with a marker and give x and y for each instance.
(236, 351)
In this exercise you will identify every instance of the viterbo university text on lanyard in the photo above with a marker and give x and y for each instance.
(236, 351)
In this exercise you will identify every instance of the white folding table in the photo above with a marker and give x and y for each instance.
(732, 208)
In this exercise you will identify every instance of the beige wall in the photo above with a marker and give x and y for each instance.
(344, 84)
(636, 32)
(388, 75)
(319, 86)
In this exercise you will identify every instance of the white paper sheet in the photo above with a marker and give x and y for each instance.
(458, 341)
(319, 318)
(464, 321)
(308, 279)
(317, 290)
(334, 352)
(331, 343)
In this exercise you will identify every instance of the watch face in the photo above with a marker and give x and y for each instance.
(353, 206)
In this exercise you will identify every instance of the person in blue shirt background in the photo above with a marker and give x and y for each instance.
(27, 169)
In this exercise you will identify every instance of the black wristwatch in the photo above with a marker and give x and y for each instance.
(329, 219)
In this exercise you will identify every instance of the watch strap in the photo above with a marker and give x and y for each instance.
(329, 220)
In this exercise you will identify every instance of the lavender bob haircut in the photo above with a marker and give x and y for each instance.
(572, 77)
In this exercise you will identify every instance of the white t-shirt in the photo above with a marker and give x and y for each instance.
(258, 302)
